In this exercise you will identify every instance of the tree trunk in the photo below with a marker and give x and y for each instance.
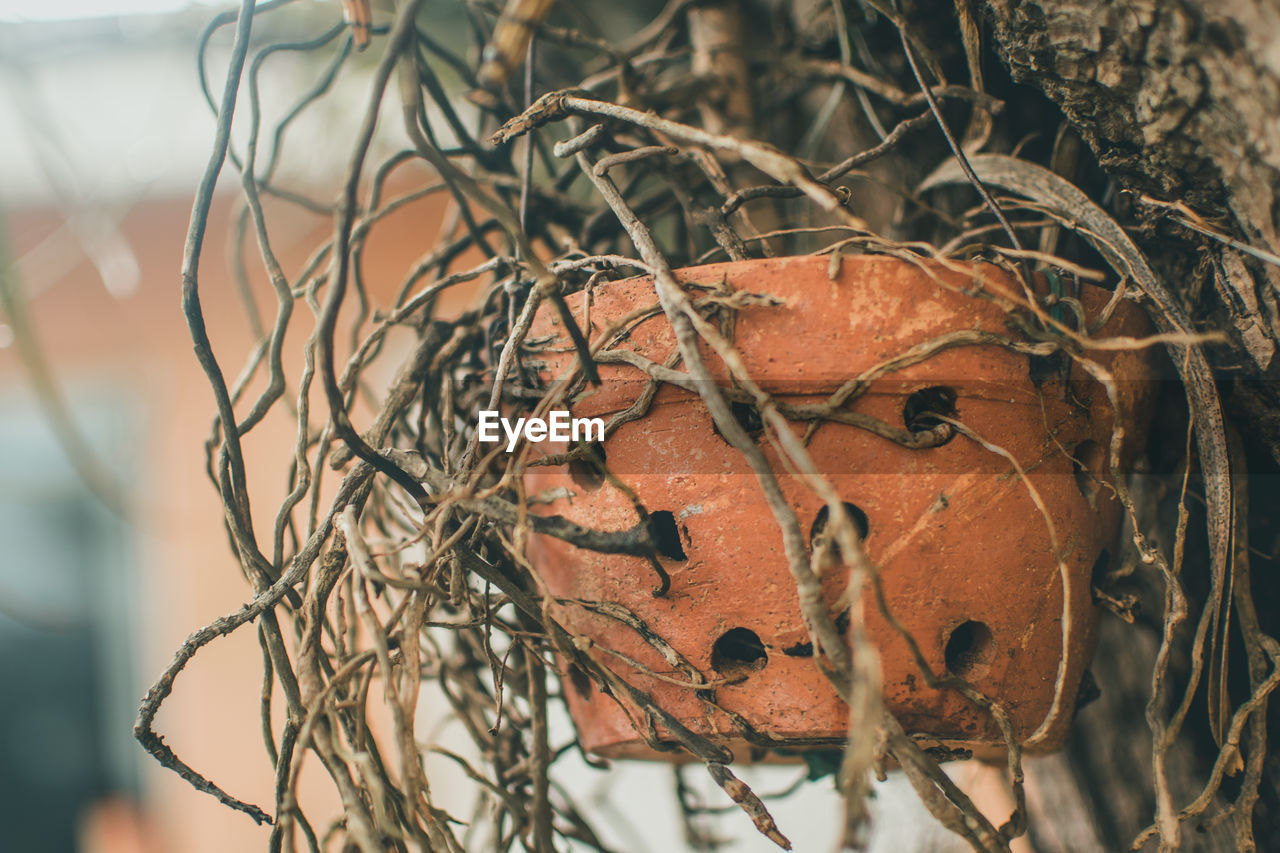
(1180, 103)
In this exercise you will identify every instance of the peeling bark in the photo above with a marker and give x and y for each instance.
(1180, 100)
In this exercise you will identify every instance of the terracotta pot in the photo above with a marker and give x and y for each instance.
(963, 551)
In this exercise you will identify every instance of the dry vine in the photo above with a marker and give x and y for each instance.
(416, 571)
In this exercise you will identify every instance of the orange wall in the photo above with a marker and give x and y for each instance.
(140, 345)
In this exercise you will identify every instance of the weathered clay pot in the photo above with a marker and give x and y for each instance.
(963, 551)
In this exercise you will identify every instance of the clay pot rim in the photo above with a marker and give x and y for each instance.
(974, 369)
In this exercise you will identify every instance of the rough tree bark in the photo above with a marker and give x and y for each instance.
(1180, 101)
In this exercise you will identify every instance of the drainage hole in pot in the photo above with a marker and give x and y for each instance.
(738, 652)
(969, 650)
(819, 528)
(921, 411)
(747, 416)
(587, 472)
(666, 535)
(1088, 459)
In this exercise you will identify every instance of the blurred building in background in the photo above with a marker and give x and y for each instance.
(104, 133)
